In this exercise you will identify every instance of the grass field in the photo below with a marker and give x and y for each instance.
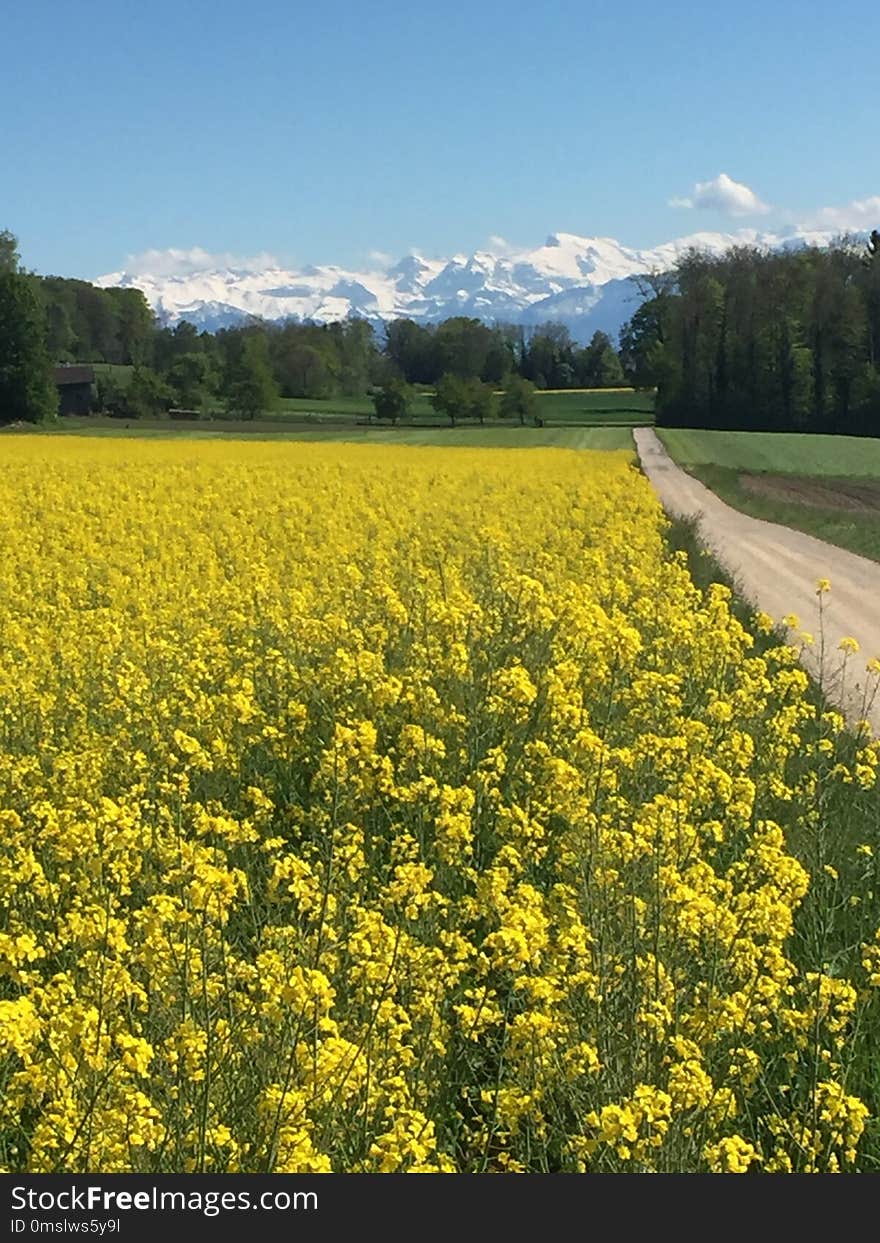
(828, 486)
(828, 512)
(120, 373)
(602, 406)
(477, 437)
(623, 406)
(605, 405)
(344, 407)
(780, 453)
(490, 436)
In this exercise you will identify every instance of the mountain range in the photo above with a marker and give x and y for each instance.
(586, 283)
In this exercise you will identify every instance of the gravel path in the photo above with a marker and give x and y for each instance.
(777, 569)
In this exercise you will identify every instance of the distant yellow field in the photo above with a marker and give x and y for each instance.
(398, 809)
(624, 389)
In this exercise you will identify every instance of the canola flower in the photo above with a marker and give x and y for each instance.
(410, 810)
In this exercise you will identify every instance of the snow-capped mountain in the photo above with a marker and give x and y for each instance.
(583, 282)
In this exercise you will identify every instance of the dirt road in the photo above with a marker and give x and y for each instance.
(777, 569)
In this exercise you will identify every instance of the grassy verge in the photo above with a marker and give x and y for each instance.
(490, 436)
(345, 407)
(781, 453)
(856, 530)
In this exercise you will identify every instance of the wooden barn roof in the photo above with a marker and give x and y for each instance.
(73, 375)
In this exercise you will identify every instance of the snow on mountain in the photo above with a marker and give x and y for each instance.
(583, 282)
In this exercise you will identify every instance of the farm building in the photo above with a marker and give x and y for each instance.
(76, 391)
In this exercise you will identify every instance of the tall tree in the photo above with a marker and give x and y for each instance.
(391, 400)
(147, 395)
(305, 370)
(479, 400)
(134, 325)
(450, 398)
(60, 335)
(550, 357)
(871, 285)
(192, 382)
(27, 392)
(412, 350)
(598, 366)
(518, 401)
(766, 340)
(9, 257)
(641, 341)
(464, 347)
(355, 346)
(500, 357)
(250, 386)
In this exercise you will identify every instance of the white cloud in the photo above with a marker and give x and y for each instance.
(723, 194)
(501, 247)
(380, 257)
(852, 217)
(176, 262)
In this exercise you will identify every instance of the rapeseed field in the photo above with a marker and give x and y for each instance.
(412, 810)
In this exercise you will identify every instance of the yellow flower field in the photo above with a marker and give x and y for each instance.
(410, 809)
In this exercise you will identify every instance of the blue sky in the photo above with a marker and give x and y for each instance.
(324, 132)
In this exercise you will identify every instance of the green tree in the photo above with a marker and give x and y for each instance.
(112, 395)
(27, 391)
(169, 344)
(60, 334)
(519, 400)
(191, 380)
(450, 398)
(355, 347)
(250, 385)
(135, 325)
(610, 372)
(464, 346)
(789, 370)
(9, 256)
(391, 400)
(765, 340)
(479, 400)
(848, 342)
(97, 323)
(60, 301)
(549, 360)
(413, 351)
(305, 371)
(641, 339)
(598, 365)
(500, 358)
(460, 398)
(871, 285)
(146, 395)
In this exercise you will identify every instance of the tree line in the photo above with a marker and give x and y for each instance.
(770, 341)
(47, 321)
(545, 355)
(26, 389)
(786, 339)
(245, 370)
(88, 324)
